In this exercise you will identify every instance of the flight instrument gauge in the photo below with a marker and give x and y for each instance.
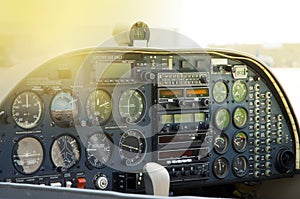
(64, 108)
(240, 117)
(240, 166)
(27, 109)
(28, 155)
(221, 143)
(99, 149)
(220, 91)
(222, 118)
(239, 91)
(240, 141)
(132, 105)
(132, 147)
(99, 106)
(65, 152)
(221, 167)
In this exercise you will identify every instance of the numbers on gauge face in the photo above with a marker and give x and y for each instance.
(221, 167)
(222, 118)
(240, 141)
(132, 147)
(221, 143)
(239, 91)
(99, 150)
(64, 108)
(27, 109)
(65, 152)
(28, 155)
(240, 166)
(240, 117)
(220, 91)
(99, 106)
(132, 106)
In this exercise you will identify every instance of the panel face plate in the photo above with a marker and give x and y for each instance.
(209, 117)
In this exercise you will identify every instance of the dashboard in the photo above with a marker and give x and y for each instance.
(93, 118)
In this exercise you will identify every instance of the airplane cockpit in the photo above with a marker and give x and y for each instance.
(123, 122)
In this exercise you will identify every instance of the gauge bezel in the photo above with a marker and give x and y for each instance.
(234, 145)
(246, 164)
(65, 124)
(103, 164)
(144, 102)
(233, 117)
(138, 158)
(214, 91)
(215, 118)
(43, 155)
(88, 110)
(226, 141)
(226, 172)
(246, 89)
(40, 115)
(79, 150)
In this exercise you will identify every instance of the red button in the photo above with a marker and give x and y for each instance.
(81, 183)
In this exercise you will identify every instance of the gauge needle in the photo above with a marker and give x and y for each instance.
(130, 147)
(104, 104)
(71, 102)
(26, 101)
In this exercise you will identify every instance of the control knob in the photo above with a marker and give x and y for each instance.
(146, 76)
(285, 160)
(101, 182)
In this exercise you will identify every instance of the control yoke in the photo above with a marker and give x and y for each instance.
(157, 179)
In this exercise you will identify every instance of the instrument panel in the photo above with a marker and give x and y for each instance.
(94, 118)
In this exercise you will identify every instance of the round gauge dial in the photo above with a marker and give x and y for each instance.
(99, 106)
(221, 143)
(27, 109)
(220, 91)
(28, 155)
(239, 91)
(132, 106)
(132, 147)
(240, 117)
(65, 152)
(221, 167)
(99, 149)
(222, 118)
(240, 166)
(240, 141)
(64, 108)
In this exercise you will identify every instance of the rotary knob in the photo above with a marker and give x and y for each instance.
(101, 182)
(285, 161)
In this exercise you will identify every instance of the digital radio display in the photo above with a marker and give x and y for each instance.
(197, 92)
(182, 153)
(115, 70)
(174, 93)
(183, 118)
(166, 119)
(166, 139)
